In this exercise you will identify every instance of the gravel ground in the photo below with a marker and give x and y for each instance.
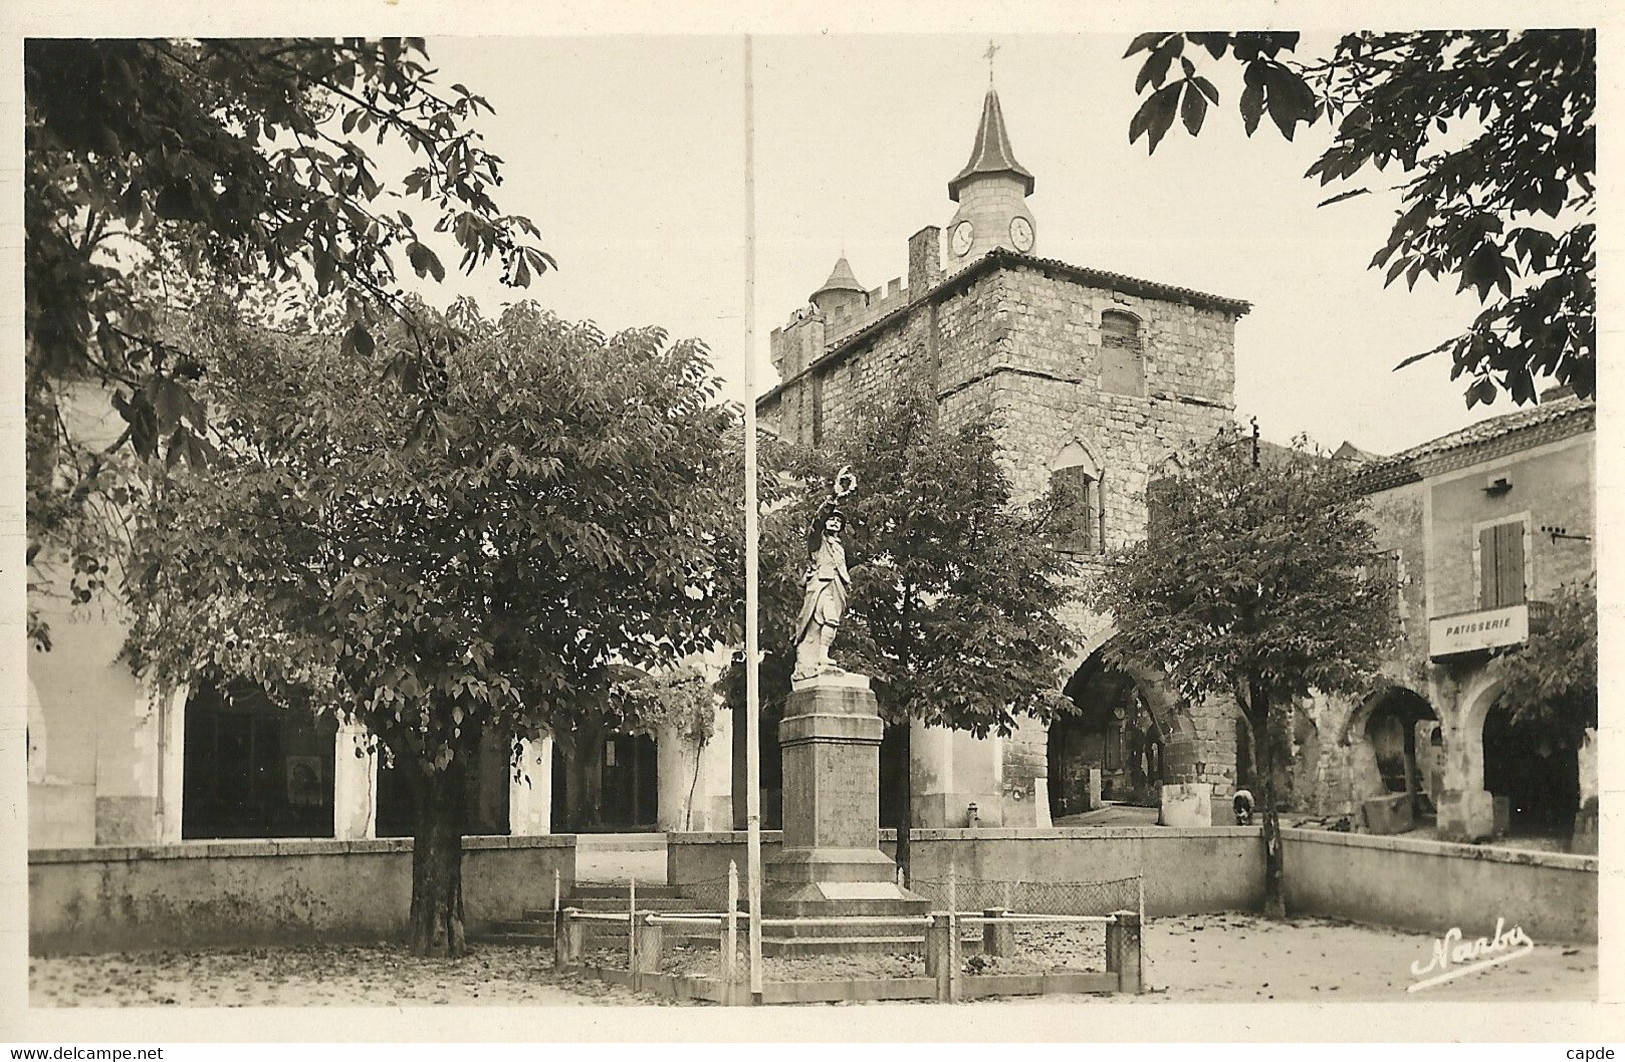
(318, 976)
(1228, 958)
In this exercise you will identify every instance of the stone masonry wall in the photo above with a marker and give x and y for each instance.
(1024, 346)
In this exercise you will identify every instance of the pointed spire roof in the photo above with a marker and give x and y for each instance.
(841, 279)
(992, 153)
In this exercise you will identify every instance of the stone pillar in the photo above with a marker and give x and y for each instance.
(1466, 815)
(1463, 698)
(1584, 840)
(713, 796)
(696, 784)
(530, 790)
(355, 784)
(1187, 804)
(171, 764)
(951, 770)
(831, 860)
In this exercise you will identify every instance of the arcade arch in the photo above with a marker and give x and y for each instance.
(1127, 727)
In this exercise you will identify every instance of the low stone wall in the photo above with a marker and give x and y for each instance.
(242, 893)
(1231, 863)
(1184, 871)
(1433, 886)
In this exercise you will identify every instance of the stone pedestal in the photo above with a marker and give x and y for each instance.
(831, 863)
(1187, 804)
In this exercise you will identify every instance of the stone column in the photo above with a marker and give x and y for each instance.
(355, 784)
(952, 770)
(1466, 808)
(171, 764)
(1584, 840)
(530, 790)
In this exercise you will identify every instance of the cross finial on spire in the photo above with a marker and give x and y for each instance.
(992, 49)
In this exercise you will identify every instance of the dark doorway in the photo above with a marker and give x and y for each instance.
(255, 769)
(627, 785)
(1536, 774)
(1113, 732)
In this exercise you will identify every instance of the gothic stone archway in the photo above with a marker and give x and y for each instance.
(1128, 727)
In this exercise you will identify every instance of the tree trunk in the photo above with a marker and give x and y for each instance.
(437, 862)
(905, 822)
(1264, 758)
(693, 784)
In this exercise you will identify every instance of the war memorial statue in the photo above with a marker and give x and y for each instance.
(828, 585)
(831, 863)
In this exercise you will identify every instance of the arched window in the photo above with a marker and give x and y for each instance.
(1122, 354)
(1158, 498)
(1075, 495)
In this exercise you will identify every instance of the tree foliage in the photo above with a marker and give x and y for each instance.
(1551, 680)
(952, 611)
(233, 161)
(573, 513)
(1492, 136)
(1261, 584)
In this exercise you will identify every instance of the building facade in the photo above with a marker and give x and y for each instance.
(1482, 527)
(1095, 381)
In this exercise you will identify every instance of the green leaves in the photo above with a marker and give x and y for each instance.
(1492, 131)
(572, 508)
(1255, 576)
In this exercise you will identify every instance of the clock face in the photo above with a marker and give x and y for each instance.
(961, 238)
(1021, 234)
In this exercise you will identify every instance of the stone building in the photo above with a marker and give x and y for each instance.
(1096, 381)
(1482, 526)
(111, 761)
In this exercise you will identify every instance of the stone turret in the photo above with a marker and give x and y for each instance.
(841, 293)
(991, 191)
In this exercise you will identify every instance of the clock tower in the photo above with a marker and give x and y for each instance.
(991, 192)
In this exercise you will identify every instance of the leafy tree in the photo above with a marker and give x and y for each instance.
(677, 700)
(1259, 584)
(574, 512)
(1493, 138)
(230, 160)
(954, 591)
(1551, 680)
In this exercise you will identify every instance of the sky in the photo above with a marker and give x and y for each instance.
(629, 153)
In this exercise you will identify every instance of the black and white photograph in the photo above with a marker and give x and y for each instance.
(751, 516)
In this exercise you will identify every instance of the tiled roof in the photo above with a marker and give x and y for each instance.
(991, 153)
(1401, 467)
(841, 278)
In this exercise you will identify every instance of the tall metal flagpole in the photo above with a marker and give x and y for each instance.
(753, 697)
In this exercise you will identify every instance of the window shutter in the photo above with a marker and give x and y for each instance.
(1488, 593)
(1509, 564)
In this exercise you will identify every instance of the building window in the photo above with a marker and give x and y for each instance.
(1391, 572)
(1122, 354)
(1075, 497)
(1158, 510)
(1501, 565)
